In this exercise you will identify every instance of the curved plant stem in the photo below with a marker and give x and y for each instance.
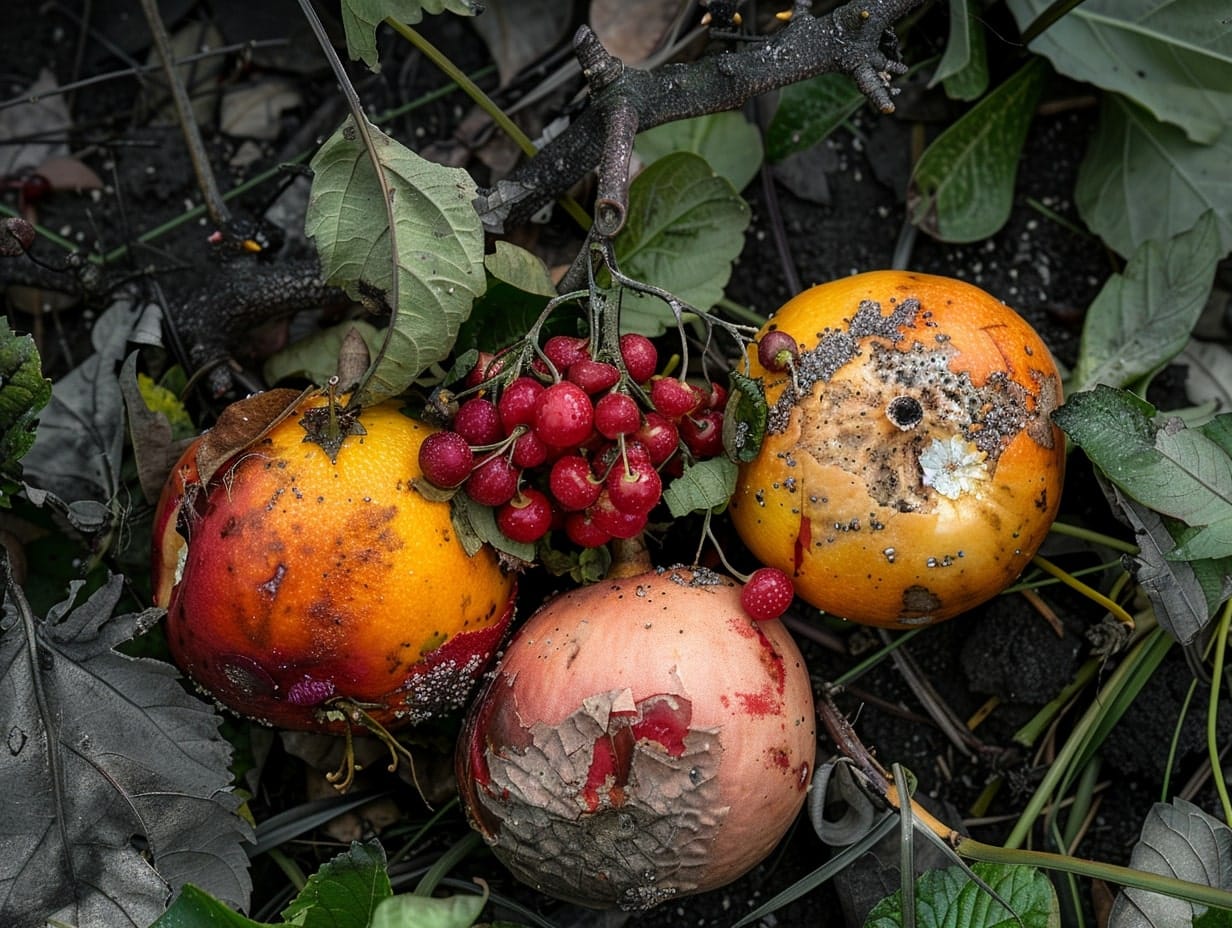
(485, 103)
(1099, 538)
(1212, 711)
(1089, 592)
(876, 658)
(446, 862)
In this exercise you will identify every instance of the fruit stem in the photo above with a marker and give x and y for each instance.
(1088, 591)
(630, 557)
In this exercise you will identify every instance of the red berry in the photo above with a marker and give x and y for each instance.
(615, 521)
(640, 356)
(527, 517)
(617, 414)
(660, 436)
(716, 396)
(445, 459)
(636, 489)
(572, 483)
(777, 350)
(487, 367)
(528, 451)
(593, 376)
(674, 398)
(767, 594)
(517, 403)
(565, 350)
(493, 483)
(564, 416)
(479, 422)
(703, 433)
(582, 531)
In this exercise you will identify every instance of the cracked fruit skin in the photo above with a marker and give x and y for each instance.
(290, 580)
(910, 467)
(642, 739)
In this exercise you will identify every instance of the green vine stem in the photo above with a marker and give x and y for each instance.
(1088, 591)
(1212, 711)
(1098, 538)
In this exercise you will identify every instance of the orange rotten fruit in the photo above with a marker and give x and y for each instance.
(910, 468)
(293, 581)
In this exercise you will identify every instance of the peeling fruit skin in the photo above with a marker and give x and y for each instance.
(910, 469)
(642, 739)
(291, 580)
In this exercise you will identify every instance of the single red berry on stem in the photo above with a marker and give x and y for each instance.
(571, 482)
(767, 594)
(445, 459)
(635, 489)
(674, 398)
(583, 532)
(479, 422)
(660, 436)
(593, 376)
(493, 483)
(640, 356)
(564, 415)
(566, 350)
(776, 350)
(527, 517)
(517, 403)
(617, 414)
(703, 433)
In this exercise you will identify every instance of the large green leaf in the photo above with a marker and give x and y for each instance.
(1174, 57)
(704, 487)
(1142, 318)
(195, 908)
(1179, 472)
(24, 391)
(684, 229)
(361, 17)
(343, 893)
(1142, 179)
(437, 249)
(964, 66)
(962, 189)
(730, 144)
(809, 111)
(949, 898)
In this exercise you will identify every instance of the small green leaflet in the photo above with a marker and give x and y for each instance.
(1179, 472)
(808, 112)
(360, 19)
(24, 391)
(519, 287)
(963, 186)
(437, 250)
(948, 898)
(704, 487)
(964, 66)
(730, 144)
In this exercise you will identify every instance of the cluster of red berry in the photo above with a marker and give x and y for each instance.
(576, 442)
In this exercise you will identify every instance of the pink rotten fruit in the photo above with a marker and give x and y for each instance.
(767, 594)
(641, 740)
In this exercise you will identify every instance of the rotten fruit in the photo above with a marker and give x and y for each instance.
(642, 739)
(910, 468)
(305, 576)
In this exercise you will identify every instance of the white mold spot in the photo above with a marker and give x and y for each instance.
(953, 467)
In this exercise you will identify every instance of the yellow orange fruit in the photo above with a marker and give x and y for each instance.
(910, 468)
(293, 580)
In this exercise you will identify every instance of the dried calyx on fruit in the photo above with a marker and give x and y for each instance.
(308, 585)
(910, 468)
(642, 739)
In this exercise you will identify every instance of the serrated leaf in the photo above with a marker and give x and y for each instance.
(1181, 841)
(1174, 58)
(948, 898)
(744, 419)
(439, 248)
(1176, 471)
(430, 912)
(315, 357)
(964, 66)
(1142, 317)
(704, 487)
(24, 391)
(361, 17)
(728, 142)
(345, 892)
(195, 908)
(684, 228)
(809, 111)
(107, 749)
(1142, 179)
(962, 188)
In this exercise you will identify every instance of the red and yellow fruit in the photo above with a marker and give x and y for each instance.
(294, 581)
(642, 739)
(910, 469)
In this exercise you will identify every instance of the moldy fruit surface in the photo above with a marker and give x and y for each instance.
(910, 468)
(642, 739)
(291, 580)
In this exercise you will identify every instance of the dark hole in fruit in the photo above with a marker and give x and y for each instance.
(905, 412)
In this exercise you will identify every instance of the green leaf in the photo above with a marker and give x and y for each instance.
(744, 419)
(476, 526)
(519, 287)
(407, 910)
(1142, 179)
(343, 893)
(24, 391)
(962, 189)
(948, 898)
(315, 357)
(684, 229)
(1142, 318)
(361, 17)
(704, 487)
(1176, 471)
(964, 66)
(195, 908)
(517, 267)
(809, 111)
(1181, 841)
(729, 143)
(439, 240)
(1173, 58)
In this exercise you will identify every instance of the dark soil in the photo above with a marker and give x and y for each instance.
(1042, 267)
